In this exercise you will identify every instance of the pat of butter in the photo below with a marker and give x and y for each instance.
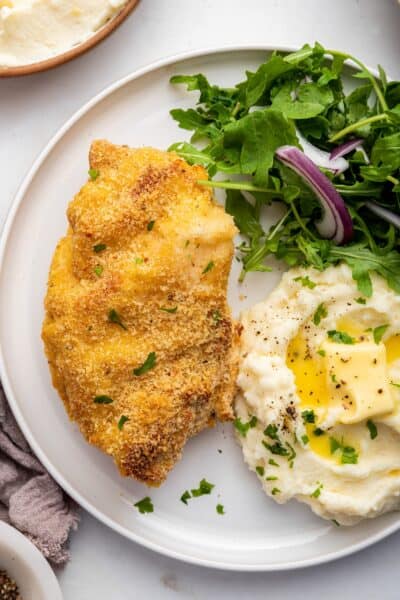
(358, 381)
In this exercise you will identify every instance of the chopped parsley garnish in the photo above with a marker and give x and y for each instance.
(150, 225)
(243, 428)
(320, 314)
(334, 444)
(308, 416)
(333, 378)
(306, 282)
(98, 270)
(335, 522)
(138, 260)
(273, 463)
(208, 267)
(145, 505)
(305, 439)
(341, 337)
(114, 317)
(169, 310)
(349, 455)
(395, 384)
(204, 488)
(99, 248)
(321, 352)
(271, 431)
(275, 491)
(102, 400)
(122, 421)
(379, 332)
(317, 492)
(185, 497)
(372, 428)
(93, 174)
(361, 300)
(318, 431)
(216, 315)
(276, 448)
(148, 364)
(220, 509)
(271, 478)
(260, 471)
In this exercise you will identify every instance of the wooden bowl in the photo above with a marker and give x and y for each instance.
(76, 51)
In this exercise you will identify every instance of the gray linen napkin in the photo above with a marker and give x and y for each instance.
(30, 499)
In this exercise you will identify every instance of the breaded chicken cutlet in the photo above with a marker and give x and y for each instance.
(139, 337)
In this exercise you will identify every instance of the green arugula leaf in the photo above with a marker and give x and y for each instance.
(386, 151)
(244, 214)
(362, 261)
(260, 82)
(194, 156)
(302, 101)
(256, 137)
(244, 125)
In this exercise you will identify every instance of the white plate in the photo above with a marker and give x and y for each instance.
(255, 534)
(27, 566)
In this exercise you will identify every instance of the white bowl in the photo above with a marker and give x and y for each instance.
(26, 565)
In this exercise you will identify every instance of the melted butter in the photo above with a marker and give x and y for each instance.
(310, 372)
(319, 444)
(393, 348)
(394, 472)
(310, 375)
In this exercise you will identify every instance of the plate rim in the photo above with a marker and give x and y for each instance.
(46, 461)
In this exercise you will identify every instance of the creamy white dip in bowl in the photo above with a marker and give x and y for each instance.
(36, 35)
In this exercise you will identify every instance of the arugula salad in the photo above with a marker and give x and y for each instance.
(291, 133)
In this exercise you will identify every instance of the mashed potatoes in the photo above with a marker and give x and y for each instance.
(34, 30)
(318, 414)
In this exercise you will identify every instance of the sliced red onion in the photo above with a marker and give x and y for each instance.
(336, 223)
(384, 213)
(321, 158)
(345, 148)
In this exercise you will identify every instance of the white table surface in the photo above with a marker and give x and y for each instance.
(104, 565)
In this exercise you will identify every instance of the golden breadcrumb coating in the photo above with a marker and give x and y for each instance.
(143, 269)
